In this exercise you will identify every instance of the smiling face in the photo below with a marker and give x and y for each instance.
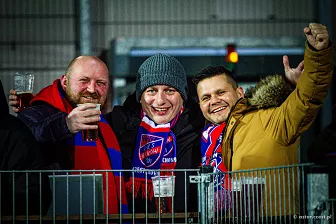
(217, 96)
(161, 103)
(86, 81)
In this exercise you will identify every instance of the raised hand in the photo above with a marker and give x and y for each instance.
(13, 102)
(80, 118)
(317, 36)
(292, 74)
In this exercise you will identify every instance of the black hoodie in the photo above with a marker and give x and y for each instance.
(19, 151)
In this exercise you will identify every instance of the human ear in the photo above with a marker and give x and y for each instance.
(240, 92)
(64, 81)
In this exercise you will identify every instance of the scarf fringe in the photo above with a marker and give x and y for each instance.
(140, 187)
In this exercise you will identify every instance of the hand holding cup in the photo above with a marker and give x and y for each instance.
(85, 117)
(13, 101)
(22, 94)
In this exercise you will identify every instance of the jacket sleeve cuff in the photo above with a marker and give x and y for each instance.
(312, 52)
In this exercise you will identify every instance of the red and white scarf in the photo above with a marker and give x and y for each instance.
(211, 151)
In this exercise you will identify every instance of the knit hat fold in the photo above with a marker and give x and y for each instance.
(161, 69)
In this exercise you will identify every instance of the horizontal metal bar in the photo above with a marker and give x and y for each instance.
(38, 16)
(217, 51)
(85, 171)
(37, 43)
(217, 21)
(103, 216)
(156, 170)
(33, 69)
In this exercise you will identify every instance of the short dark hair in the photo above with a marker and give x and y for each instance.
(210, 71)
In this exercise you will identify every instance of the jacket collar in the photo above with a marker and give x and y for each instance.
(270, 92)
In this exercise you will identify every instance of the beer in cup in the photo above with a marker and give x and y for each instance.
(90, 135)
(163, 186)
(23, 85)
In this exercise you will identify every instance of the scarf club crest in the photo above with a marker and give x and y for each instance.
(150, 149)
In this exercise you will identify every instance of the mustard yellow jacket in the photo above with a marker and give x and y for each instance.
(260, 134)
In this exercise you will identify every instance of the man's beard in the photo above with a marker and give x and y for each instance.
(75, 99)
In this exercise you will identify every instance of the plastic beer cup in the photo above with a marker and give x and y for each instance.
(90, 135)
(23, 85)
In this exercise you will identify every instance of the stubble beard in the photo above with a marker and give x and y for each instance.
(220, 120)
(73, 99)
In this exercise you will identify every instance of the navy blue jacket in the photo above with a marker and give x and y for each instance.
(50, 130)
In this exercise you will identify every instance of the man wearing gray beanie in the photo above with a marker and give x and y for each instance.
(159, 127)
(161, 69)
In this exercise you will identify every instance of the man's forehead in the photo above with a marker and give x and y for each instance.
(211, 87)
(89, 62)
(85, 71)
(161, 86)
(217, 79)
(83, 74)
(210, 90)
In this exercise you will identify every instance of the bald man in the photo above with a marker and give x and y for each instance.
(56, 122)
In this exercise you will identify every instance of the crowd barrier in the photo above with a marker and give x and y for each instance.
(284, 194)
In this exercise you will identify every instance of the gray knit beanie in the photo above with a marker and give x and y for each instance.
(161, 69)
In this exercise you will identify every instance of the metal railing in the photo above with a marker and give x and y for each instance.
(285, 194)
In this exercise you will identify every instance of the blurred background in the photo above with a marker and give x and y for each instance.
(43, 36)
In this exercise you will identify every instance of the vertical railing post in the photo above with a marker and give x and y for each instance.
(206, 194)
(317, 193)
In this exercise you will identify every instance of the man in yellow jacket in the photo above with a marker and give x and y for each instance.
(262, 129)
